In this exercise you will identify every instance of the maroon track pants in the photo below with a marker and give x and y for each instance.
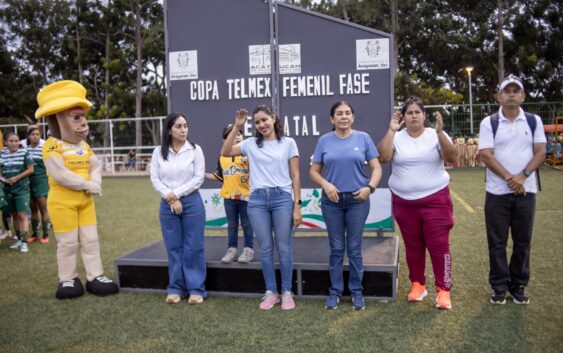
(425, 224)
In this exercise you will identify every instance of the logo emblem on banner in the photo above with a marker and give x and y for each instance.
(290, 59)
(372, 54)
(259, 60)
(183, 65)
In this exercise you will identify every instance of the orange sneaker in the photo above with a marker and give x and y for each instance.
(32, 239)
(418, 292)
(443, 301)
(44, 240)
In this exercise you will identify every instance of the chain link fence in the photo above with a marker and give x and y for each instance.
(457, 118)
(113, 141)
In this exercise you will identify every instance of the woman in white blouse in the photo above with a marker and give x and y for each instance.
(177, 172)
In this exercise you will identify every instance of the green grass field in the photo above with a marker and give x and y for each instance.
(32, 320)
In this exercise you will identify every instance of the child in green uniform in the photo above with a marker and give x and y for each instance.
(15, 167)
(4, 207)
(39, 187)
(3, 203)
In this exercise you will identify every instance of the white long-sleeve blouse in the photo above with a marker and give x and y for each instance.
(182, 173)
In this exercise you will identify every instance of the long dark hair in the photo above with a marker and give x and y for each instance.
(278, 127)
(30, 129)
(165, 141)
(336, 105)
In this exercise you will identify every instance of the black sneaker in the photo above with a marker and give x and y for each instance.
(70, 289)
(518, 295)
(102, 286)
(498, 297)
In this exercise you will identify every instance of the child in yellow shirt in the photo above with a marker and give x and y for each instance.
(233, 172)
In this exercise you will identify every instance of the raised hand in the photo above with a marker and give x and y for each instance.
(439, 122)
(241, 118)
(396, 121)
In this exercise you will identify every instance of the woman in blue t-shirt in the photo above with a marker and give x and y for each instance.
(340, 155)
(274, 174)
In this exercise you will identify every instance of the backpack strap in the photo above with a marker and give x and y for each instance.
(494, 124)
(531, 119)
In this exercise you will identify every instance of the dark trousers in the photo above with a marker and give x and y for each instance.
(504, 212)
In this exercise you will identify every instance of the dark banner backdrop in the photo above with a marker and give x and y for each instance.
(223, 55)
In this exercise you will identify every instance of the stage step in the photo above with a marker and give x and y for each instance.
(146, 269)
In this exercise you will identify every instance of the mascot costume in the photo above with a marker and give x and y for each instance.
(74, 177)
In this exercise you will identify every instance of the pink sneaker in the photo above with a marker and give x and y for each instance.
(269, 300)
(287, 301)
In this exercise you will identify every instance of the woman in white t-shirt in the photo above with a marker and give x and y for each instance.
(274, 174)
(421, 198)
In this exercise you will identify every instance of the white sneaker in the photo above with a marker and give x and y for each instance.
(246, 256)
(230, 256)
(7, 234)
(23, 248)
(16, 245)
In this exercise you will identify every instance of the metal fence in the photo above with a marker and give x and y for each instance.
(457, 118)
(112, 139)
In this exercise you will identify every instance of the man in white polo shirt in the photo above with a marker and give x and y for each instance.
(512, 146)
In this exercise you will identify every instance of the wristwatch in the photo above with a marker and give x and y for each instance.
(299, 202)
(371, 189)
(527, 173)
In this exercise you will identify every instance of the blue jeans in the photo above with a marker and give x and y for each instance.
(234, 208)
(345, 221)
(272, 209)
(184, 242)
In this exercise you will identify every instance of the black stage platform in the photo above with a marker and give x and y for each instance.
(146, 269)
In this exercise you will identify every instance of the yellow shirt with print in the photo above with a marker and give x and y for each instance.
(75, 156)
(233, 171)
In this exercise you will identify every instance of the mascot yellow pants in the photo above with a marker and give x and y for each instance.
(73, 215)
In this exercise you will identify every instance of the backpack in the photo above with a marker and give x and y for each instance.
(531, 120)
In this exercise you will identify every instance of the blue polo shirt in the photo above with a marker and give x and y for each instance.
(344, 159)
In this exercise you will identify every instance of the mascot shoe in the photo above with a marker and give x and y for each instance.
(102, 286)
(70, 289)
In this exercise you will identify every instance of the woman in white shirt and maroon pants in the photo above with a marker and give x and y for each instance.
(421, 197)
(177, 172)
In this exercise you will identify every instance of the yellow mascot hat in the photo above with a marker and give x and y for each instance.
(60, 96)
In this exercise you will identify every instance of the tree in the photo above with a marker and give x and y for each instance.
(140, 15)
(500, 36)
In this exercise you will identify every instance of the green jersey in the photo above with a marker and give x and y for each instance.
(13, 164)
(36, 153)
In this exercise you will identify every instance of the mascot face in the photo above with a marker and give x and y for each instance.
(73, 124)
